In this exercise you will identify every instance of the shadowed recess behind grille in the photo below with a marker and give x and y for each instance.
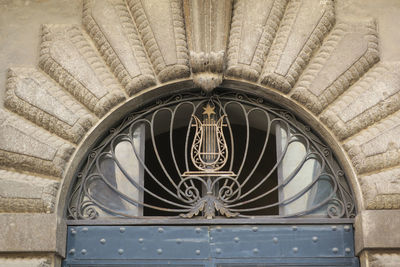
(221, 155)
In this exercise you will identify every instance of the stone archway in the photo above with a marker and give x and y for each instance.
(291, 51)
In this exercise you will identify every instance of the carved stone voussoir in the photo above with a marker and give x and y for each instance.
(26, 193)
(376, 147)
(24, 146)
(34, 96)
(375, 96)
(162, 29)
(381, 190)
(67, 56)
(346, 54)
(111, 27)
(301, 32)
(253, 29)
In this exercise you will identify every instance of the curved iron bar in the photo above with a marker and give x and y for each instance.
(291, 176)
(109, 210)
(285, 182)
(155, 149)
(247, 138)
(292, 199)
(340, 200)
(149, 172)
(266, 177)
(315, 142)
(276, 112)
(262, 150)
(171, 139)
(227, 191)
(228, 124)
(125, 197)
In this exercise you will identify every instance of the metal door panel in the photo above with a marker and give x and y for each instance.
(281, 241)
(224, 246)
(137, 242)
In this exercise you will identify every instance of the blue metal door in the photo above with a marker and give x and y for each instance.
(222, 246)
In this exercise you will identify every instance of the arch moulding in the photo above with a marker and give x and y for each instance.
(126, 53)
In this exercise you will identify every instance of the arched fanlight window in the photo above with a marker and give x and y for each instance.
(224, 155)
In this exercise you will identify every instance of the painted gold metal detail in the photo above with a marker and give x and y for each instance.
(221, 155)
(209, 151)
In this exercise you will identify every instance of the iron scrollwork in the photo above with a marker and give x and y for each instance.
(227, 155)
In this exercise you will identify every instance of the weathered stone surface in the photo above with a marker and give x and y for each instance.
(30, 232)
(303, 27)
(162, 29)
(25, 146)
(384, 259)
(382, 190)
(207, 69)
(346, 54)
(24, 262)
(385, 202)
(34, 96)
(253, 28)
(375, 96)
(26, 193)
(376, 147)
(111, 27)
(207, 26)
(377, 229)
(69, 58)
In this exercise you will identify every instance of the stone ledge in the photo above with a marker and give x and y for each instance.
(377, 229)
(31, 233)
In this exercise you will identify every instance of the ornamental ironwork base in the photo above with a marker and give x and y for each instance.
(209, 204)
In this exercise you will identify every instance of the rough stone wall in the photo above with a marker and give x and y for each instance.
(337, 60)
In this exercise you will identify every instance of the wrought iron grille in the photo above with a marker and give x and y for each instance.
(219, 155)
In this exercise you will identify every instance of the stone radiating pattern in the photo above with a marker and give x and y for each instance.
(69, 59)
(111, 27)
(25, 146)
(376, 147)
(292, 47)
(26, 193)
(381, 190)
(302, 29)
(37, 98)
(375, 96)
(346, 54)
(162, 29)
(253, 29)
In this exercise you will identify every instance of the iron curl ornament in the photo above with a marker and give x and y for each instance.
(221, 155)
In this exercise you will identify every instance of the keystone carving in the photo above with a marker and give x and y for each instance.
(207, 26)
